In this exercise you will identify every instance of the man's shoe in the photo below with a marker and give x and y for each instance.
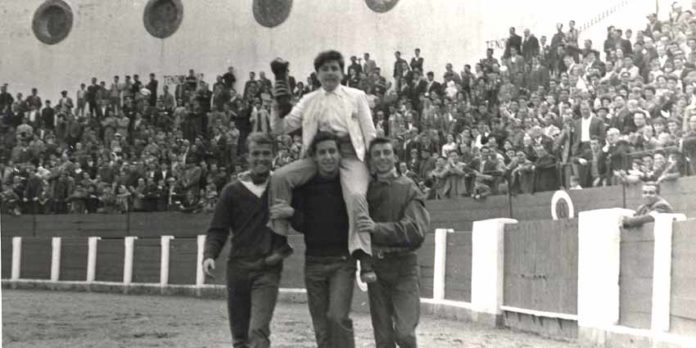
(278, 255)
(368, 277)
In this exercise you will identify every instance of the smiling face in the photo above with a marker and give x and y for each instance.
(382, 158)
(260, 158)
(330, 75)
(327, 157)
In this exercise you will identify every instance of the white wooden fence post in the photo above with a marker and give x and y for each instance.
(92, 258)
(128, 245)
(164, 260)
(440, 263)
(16, 257)
(55, 258)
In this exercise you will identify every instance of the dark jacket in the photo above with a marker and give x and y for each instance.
(397, 206)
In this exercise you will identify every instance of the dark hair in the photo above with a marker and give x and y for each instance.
(379, 141)
(321, 137)
(328, 56)
(259, 139)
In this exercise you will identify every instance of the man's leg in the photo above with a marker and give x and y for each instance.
(354, 181)
(317, 285)
(264, 294)
(381, 309)
(283, 181)
(340, 298)
(238, 305)
(405, 297)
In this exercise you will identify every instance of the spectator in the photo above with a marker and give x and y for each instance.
(652, 204)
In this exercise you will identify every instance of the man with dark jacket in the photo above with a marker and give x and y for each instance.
(514, 41)
(319, 212)
(530, 45)
(652, 204)
(397, 222)
(242, 212)
(546, 176)
(617, 153)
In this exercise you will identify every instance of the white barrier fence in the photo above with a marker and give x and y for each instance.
(597, 316)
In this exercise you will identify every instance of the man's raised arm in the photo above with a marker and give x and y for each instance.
(284, 117)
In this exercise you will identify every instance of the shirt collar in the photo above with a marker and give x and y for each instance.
(336, 91)
(388, 178)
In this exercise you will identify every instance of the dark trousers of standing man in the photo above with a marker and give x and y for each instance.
(329, 281)
(395, 299)
(252, 292)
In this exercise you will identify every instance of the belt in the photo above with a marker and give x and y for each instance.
(386, 254)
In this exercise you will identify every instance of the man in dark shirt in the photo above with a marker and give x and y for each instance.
(397, 223)
(652, 204)
(242, 212)
(319, 212)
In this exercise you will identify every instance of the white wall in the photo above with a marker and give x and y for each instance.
(108, 37)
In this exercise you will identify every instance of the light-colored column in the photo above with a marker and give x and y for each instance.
(164, 260)
(55, 258)
(200, 276)
(487, 261)
(16, 257)
(440, 263)
(599, 239)
(128, 245)
(92, 258)
(662, 270)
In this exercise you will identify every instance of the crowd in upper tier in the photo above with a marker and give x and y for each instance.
(540, 115)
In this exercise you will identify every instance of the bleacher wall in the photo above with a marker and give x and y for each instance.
(108, 37)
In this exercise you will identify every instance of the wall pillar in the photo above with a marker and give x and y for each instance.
(200, 276)
(128, 245)
(599, 240)
(164, 260)
(92, 258)
(55, 258)
(487, 261)
(16, 257)
(440, 263)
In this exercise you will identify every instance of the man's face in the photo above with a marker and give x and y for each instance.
(330, 75)
(585, 110)
(260, 158)
(649, 194)
(327, 157)
(673, 127)
(639, 119)
(382, 158)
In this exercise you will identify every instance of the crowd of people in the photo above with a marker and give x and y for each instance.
(541, 116)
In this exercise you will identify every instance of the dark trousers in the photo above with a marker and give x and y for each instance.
(329, 282)
(395, 300)
(251, 297)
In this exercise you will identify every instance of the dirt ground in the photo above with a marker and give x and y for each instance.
(72, 319)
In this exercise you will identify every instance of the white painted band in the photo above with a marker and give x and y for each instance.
(164, 259)
(16, 257)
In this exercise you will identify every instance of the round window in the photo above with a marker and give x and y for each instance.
(52, 21)
(163, 17)
(271, 13)
(381, 6)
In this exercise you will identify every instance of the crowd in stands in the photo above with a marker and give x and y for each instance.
(541, 116)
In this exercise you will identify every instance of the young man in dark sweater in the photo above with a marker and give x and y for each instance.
(319, 212)
(242, 214)
(397, 223)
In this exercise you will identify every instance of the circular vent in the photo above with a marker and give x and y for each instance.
(381, 6)
(271, 13)
(163, 17)
(52, 21)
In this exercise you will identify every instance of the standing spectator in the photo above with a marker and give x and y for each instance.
(91, 97)
(229, 78)
(514, 41)
(152, 87)
(417, 61)
(530, 45)
(546, 177)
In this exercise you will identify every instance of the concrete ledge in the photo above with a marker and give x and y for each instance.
(457, 310)
(206, 291)
(626, 337)
(545, 326)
